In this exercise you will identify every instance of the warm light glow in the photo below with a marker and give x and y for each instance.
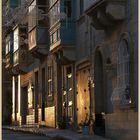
(19, 96)
(13, 98)
(50, 116)
(70, 75)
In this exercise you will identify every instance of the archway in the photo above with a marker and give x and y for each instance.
(99, 94)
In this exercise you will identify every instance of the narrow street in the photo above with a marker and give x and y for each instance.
(11, 135)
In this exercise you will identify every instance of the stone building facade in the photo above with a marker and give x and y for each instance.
(71, 60)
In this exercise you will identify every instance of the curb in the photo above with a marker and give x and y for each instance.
(25, 131)
(56, 137)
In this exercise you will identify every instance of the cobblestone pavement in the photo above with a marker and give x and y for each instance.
(55, 134)
(12, 135)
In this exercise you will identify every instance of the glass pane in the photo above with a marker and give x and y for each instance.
(16, 39)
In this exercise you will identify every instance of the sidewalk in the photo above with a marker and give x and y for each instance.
(56, 134)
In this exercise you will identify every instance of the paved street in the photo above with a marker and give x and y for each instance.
(11, 135)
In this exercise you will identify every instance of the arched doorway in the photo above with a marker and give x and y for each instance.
(99, 94)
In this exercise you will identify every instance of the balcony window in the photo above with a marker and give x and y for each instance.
(58, 34)
(54, 37)
(32, 16)
(16, 57)
(16, 39)
(32, 39)
(13, 3)
(52, 2)
(8, 45)
(50, 75)
(42, 35)
(54, 13)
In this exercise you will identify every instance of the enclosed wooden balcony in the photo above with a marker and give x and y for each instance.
(63, 30)
(38, 38)
(20, 61)
(8, 51)
(20, 50)
(107, 13)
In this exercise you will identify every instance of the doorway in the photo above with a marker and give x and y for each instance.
(43, 93)
(36, 97)
(24, 103)
(99, 95)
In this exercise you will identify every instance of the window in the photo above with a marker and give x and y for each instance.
(58, 34)
(13, 3)
(69, 82)
(32, 15)
(81, 7)
(16, 39)
(8, 45)
(54, 37)
(50, 81)
(122, 93)
(16, 57)
(123, 64)
(67, 7)
(32, 39)
(54, 13)
(52, 2)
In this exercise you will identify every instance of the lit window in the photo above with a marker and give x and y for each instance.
(30, 96)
